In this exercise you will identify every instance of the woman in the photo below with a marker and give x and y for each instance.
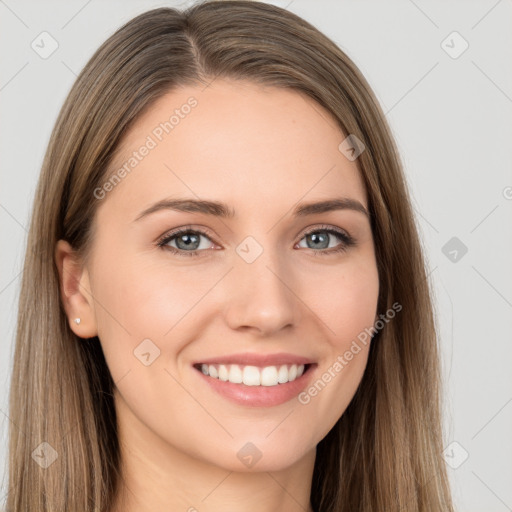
(232, 310)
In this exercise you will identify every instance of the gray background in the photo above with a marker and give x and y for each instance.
(451, 116)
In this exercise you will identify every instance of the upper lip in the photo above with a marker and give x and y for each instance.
(251, 359)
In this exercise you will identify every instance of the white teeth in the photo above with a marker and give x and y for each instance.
(269, 376)
(282, 377)
(253, 375)
(223, 373)
(235, 374)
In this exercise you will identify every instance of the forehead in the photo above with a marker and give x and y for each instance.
(235, 141)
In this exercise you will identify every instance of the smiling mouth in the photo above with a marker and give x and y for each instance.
(254, 375)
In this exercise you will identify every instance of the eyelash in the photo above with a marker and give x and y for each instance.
(347, 240)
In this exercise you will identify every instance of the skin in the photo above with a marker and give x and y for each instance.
(260, 150)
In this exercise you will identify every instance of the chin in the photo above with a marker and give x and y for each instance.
(262, 455)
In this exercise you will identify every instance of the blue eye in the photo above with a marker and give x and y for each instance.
(188, 241)
(186, 238)
(320, 236)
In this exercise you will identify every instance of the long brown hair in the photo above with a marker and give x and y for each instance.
(385, 452)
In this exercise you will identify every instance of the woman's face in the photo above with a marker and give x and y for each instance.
(264, 288)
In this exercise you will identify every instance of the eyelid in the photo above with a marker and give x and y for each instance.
(326, 227)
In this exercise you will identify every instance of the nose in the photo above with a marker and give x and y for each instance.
(260, 296)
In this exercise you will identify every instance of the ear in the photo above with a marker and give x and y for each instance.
(75, 291)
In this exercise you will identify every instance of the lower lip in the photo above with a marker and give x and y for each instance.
(259, 396)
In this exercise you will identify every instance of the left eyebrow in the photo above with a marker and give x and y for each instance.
(219, 209)
(341, 203)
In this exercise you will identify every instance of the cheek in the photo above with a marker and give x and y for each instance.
(346, 303)
(136, 301)
(346, 300)
(142, 298)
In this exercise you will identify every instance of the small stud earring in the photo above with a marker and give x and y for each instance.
(77, 320)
